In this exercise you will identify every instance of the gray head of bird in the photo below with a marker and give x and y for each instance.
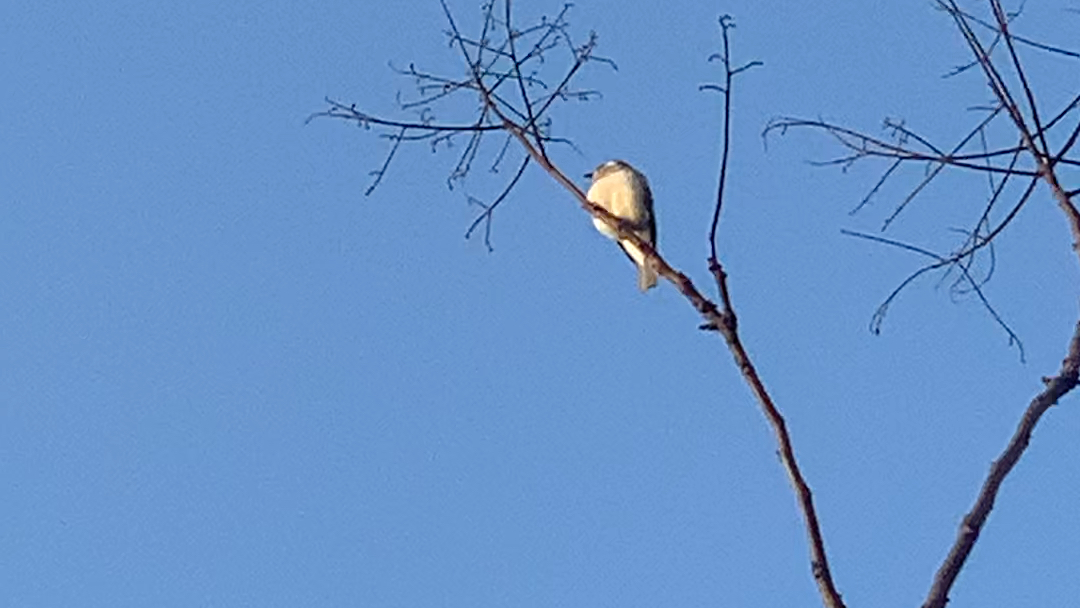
(609, 167)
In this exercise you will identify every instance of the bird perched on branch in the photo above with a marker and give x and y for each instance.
(624, 192)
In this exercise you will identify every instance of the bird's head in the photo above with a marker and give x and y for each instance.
(609, 167)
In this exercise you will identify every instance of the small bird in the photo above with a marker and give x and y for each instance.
(624, 192)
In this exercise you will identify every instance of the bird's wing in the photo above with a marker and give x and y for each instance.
(651, 224)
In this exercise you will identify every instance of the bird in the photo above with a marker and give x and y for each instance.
(624, 192)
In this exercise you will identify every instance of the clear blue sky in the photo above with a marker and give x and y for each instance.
(227, 378)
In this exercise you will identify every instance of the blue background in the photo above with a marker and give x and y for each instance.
(228, 378)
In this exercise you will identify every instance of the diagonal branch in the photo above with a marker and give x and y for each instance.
(1067, 377)
(1032, 159)
(819, 561)
(1056, 387)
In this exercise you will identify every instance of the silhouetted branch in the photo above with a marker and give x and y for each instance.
(907, 146)
(1038, 148)
(728, 328)
(1032, 160)
(997, 39)
(726, 23)
(939, 262)
(1056, 388)
(489, 209)
(504, 55)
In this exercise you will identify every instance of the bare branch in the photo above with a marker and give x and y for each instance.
(1066, 379)
(939, 262)
(503, 55)
(866, 146)
(381, 171)
(1032, 161)
(910, 146)
(726, 24)
(1020, 39)
(1056, 387)
(349, 112)
(486, 216)
(728, 328)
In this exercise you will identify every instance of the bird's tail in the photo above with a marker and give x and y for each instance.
(646, 278)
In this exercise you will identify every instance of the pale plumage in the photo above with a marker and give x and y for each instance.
(624, 192)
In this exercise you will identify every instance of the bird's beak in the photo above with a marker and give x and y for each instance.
(588, 176)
